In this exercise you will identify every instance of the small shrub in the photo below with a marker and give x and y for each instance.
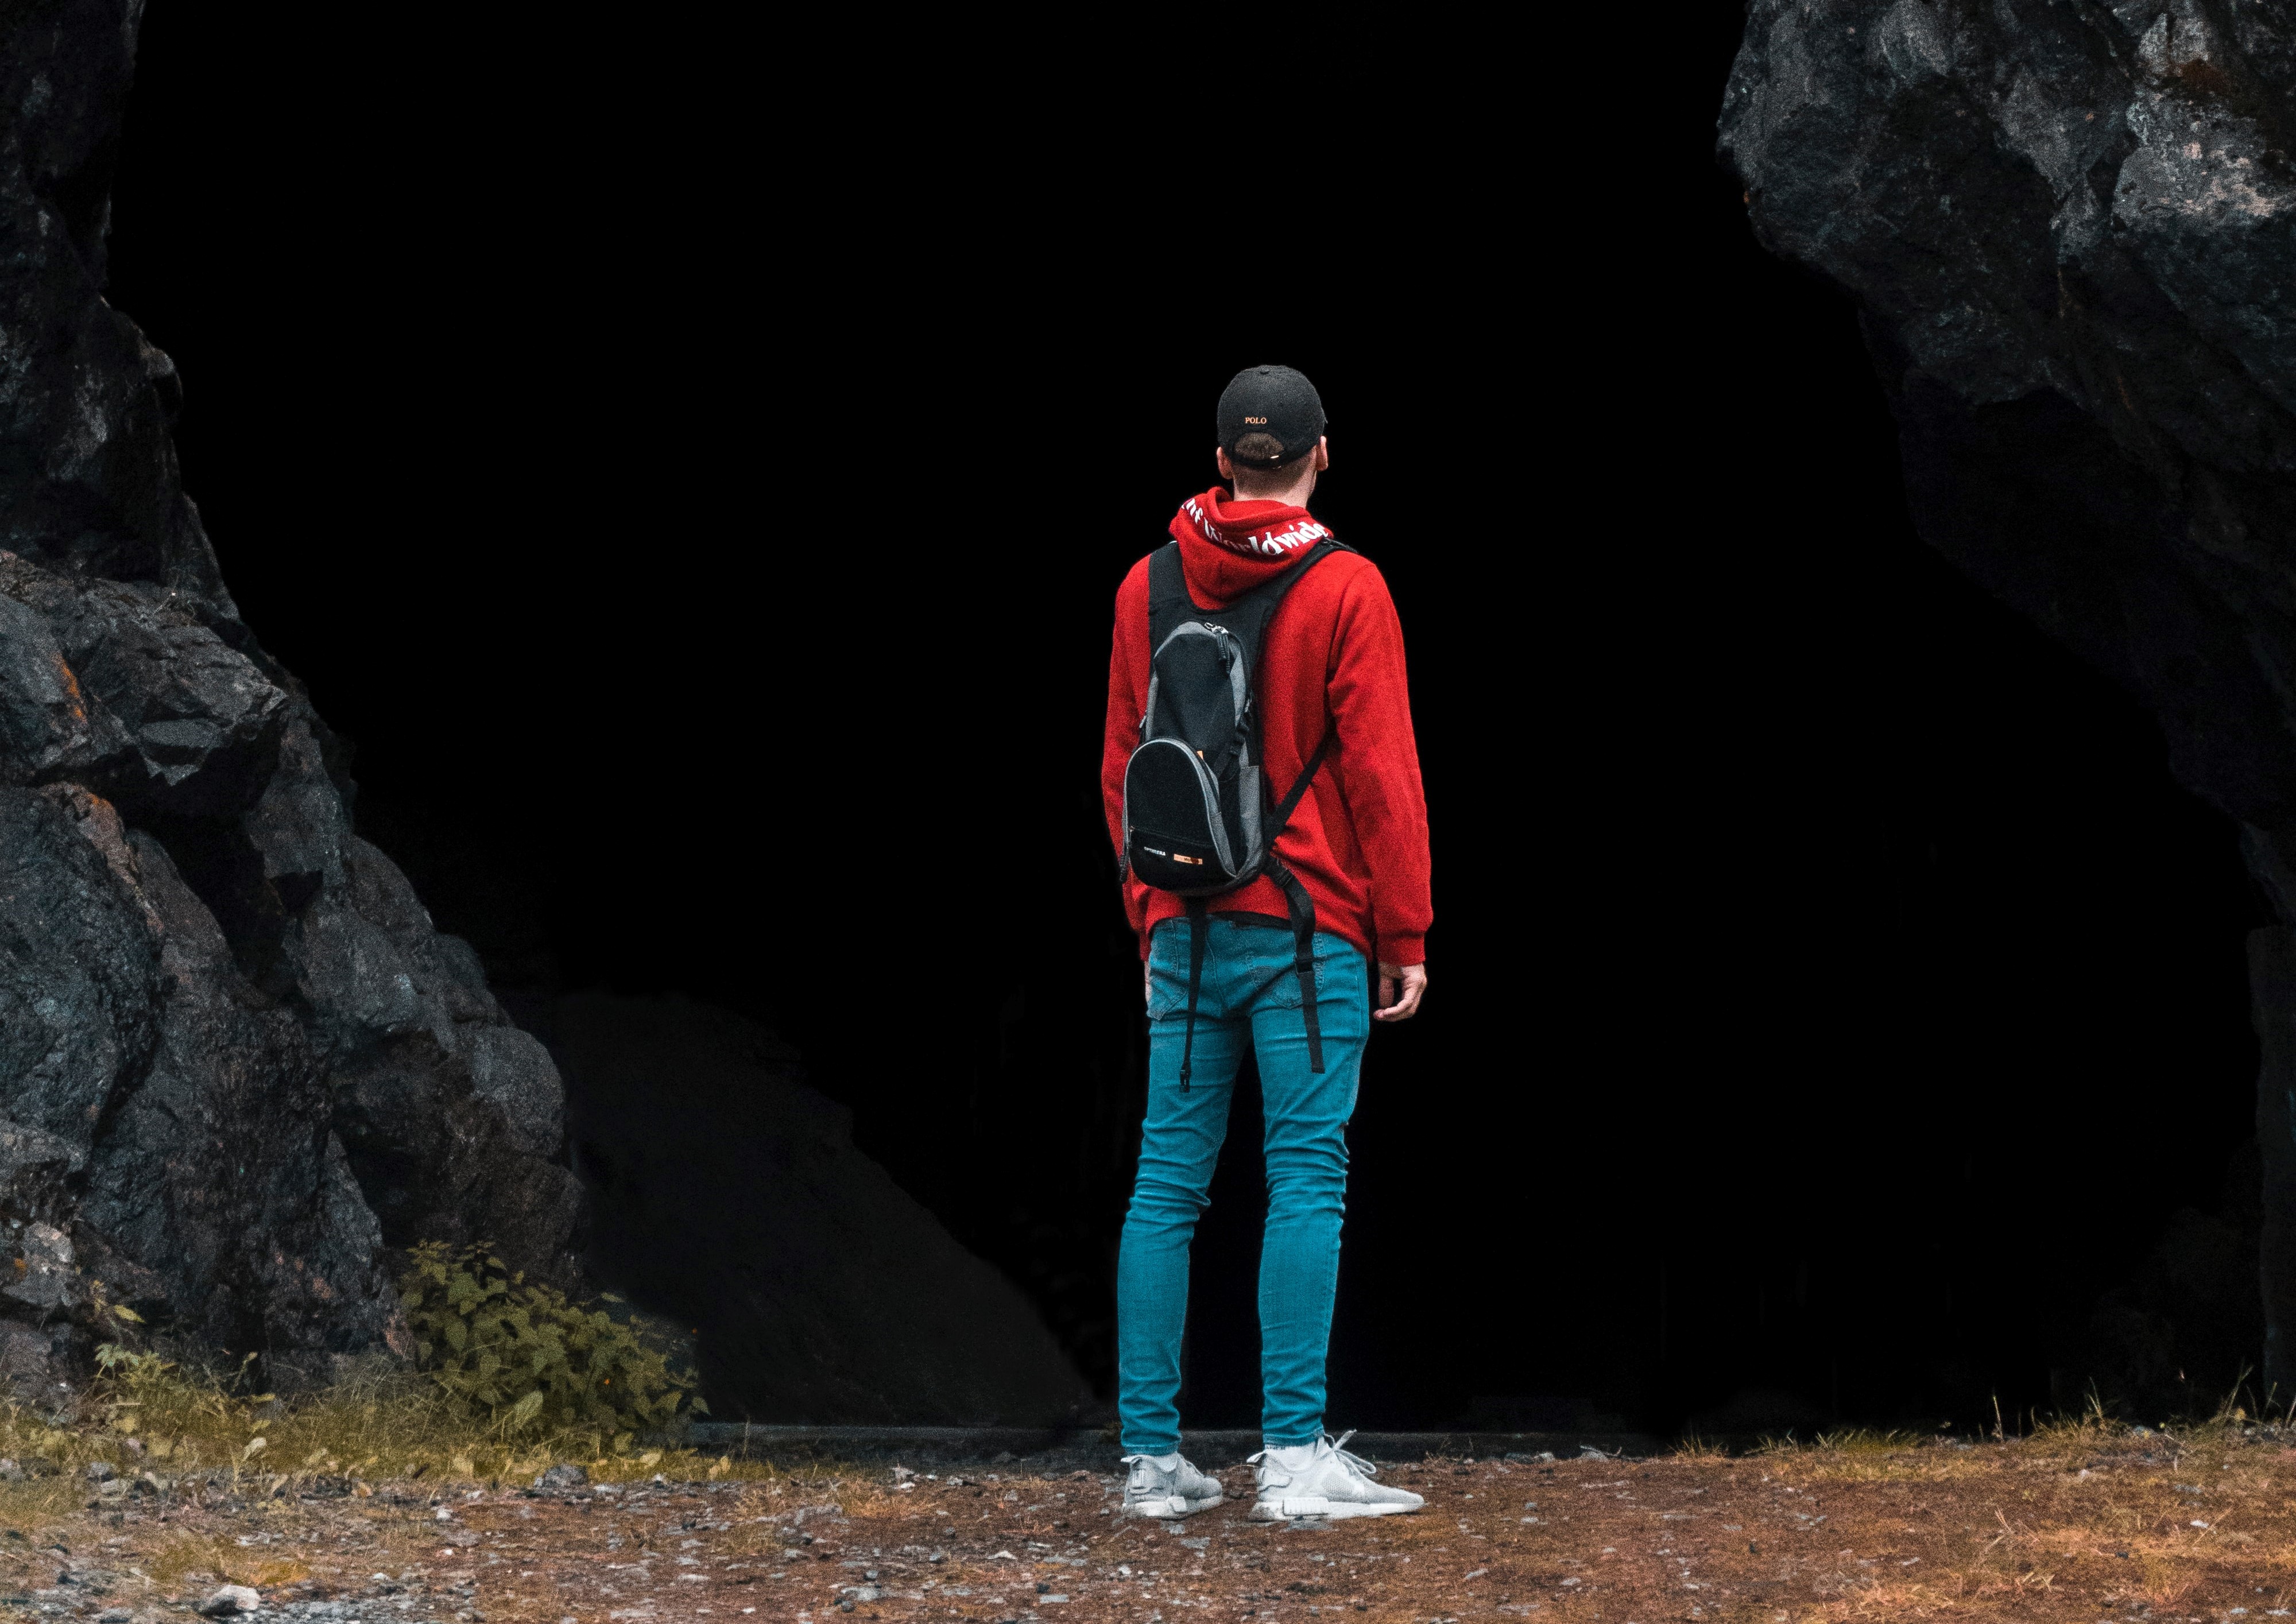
(528, 1359)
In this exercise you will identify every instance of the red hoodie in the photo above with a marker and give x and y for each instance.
(1333, 657)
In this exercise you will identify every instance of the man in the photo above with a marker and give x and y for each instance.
(1332, 662)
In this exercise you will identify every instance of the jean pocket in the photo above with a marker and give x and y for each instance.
(1281, 990)
(1168, 974)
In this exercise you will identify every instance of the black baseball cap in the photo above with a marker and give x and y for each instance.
(1275, 401)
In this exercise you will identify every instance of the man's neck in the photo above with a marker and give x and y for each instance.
(1294, 494)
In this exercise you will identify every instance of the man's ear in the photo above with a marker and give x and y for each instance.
(1226, 469)
(1322, 454)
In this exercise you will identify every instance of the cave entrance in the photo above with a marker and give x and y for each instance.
(1837, 1027)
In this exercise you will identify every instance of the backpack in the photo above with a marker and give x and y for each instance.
(1200, 815)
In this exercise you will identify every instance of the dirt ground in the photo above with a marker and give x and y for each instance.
(2084, 1526)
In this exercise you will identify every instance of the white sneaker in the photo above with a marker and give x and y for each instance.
(1176, 1490)
(1322, 1479)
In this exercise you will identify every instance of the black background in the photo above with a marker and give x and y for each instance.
(701, 509)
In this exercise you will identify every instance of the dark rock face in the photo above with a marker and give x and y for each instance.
(730, 1198)
(2072, 230)
(236, 1060)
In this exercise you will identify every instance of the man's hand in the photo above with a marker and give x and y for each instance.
(1400, 1004)
(1147, 983)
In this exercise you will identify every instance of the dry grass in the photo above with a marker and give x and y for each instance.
(1697, 1451)
(2078, 1516)
(157, 1424)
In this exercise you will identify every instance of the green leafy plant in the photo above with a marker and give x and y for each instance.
(528, 1358)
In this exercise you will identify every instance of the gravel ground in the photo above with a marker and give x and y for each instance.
(2076, 1527)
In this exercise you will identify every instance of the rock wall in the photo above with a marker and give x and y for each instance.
(2070, 228)
(235, 1058)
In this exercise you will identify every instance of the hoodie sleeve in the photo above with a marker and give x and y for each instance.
(1127, 697)
(1370, 699)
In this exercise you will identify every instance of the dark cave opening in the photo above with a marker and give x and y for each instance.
(1838, 1003)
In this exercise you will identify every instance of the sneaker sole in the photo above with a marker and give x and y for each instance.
(1171, 1505)
(1290, 1511)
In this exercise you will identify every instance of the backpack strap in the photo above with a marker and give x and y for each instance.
(1169, 603)
(1298, 904)
(1197, 926)
(1282, 814)
(1302, 909)
(1248, 616)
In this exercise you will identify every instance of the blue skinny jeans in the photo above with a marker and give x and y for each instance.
(1249, 998)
